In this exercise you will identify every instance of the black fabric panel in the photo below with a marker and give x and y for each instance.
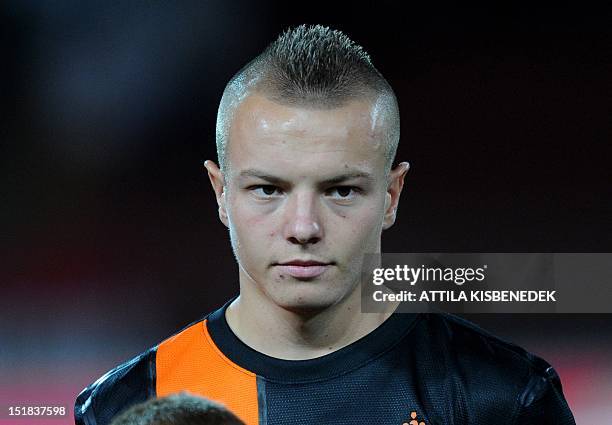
(130, 383)
(446, 370)
(543, 403)
(382, 392)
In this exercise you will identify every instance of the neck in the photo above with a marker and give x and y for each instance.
(285, 334)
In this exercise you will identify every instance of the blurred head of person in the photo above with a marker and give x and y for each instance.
(177, 409)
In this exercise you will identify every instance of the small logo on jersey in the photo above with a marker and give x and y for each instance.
(414, 421)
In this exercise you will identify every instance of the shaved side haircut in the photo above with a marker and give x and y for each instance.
(316, 67)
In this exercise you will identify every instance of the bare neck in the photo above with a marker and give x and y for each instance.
(283, 334)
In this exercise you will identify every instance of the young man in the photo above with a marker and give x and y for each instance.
(306, 136)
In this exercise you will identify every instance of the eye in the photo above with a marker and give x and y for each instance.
(265, 190)
(342, 192)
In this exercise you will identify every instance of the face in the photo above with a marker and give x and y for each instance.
(305, 196)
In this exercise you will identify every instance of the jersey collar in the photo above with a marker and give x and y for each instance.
(339, 362)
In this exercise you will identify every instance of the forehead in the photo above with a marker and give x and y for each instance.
(306, 141)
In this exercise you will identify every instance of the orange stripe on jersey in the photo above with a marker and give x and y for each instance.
(190, 361)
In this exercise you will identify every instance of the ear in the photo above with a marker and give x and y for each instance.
(394, 189)
(218, 184)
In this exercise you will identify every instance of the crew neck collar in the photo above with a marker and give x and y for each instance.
(341, 361)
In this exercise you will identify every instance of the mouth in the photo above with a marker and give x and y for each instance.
(303, 269)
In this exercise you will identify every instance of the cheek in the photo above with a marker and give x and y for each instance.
(253, 226)
(357, 228)
(366, 215)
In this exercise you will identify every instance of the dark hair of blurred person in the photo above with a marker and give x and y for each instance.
(177, 409)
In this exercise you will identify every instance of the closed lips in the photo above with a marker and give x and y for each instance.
(303, 269)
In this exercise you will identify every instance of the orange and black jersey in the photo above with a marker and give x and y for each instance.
(431, 368)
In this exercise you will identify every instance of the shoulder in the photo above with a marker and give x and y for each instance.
(127, 384)
(489, 374)
(468, 343)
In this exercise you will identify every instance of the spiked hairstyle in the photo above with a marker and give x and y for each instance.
(312, 66)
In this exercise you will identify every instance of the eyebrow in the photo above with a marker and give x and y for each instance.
(351, 175)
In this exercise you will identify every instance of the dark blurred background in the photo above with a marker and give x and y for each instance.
(109, 239)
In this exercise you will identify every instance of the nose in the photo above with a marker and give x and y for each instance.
(302, 223)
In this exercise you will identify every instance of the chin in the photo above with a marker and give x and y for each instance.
(307, 302)
(306, 310)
